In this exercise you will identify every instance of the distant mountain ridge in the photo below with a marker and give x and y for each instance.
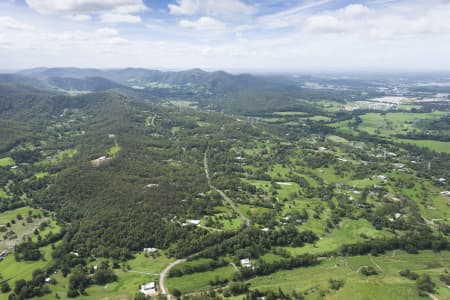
(218, 81)
(84, 84)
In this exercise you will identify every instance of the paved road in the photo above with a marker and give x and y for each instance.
(224, 196)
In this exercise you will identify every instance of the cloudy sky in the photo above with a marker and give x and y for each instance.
(263, 35)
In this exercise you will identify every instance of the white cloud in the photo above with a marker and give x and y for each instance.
(9, 23)
(86, 6)
(211, 7)
(204, 24)
(79, 18)
(109, 11)
(346, 19)
(355, 10)
(106, 31)
(120, 18)
(289, 17)
(325, 24)
(393, 34)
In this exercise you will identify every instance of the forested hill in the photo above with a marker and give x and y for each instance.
(220, 91)
(218, 81)
(109, 203)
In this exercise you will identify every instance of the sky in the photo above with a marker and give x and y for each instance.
(247, 35)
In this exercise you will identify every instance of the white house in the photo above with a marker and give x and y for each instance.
(194, 222)
(382, 177)
(148, 289)
(446, 193)
(150, 250)
(245, 263)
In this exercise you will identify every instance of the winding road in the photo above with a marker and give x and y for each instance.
(222, 194)
(162, 277)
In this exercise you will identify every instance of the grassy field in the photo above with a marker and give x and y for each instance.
(434, 145)
(41, 175)
(349, 232)
(143, 270)
(21, 227)
(114, 150)
(393, 123)
(199, 281)
(6, 162)
(7, 216)
(387, 284)
(12, 270)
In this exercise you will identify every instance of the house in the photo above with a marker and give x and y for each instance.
(3, 254)
(382, 177)
(99, 161)
(397, 215)
(152, 185)
(194, 222)
(48, 280)
(265, 229)
(322, 148)
(148, 289)
(150, 250)
(446, 193)
(245, 263)
(442, 180)
(14, 167)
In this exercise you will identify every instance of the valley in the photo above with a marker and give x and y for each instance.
(208, 188)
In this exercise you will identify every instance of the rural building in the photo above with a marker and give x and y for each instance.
(446, 193)
(151, 185)
(4, 254)
(148, 289)
(101, 160)
(245, 263)
(194, 222)
(150, 250)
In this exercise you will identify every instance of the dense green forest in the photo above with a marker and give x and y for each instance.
(230, 178)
